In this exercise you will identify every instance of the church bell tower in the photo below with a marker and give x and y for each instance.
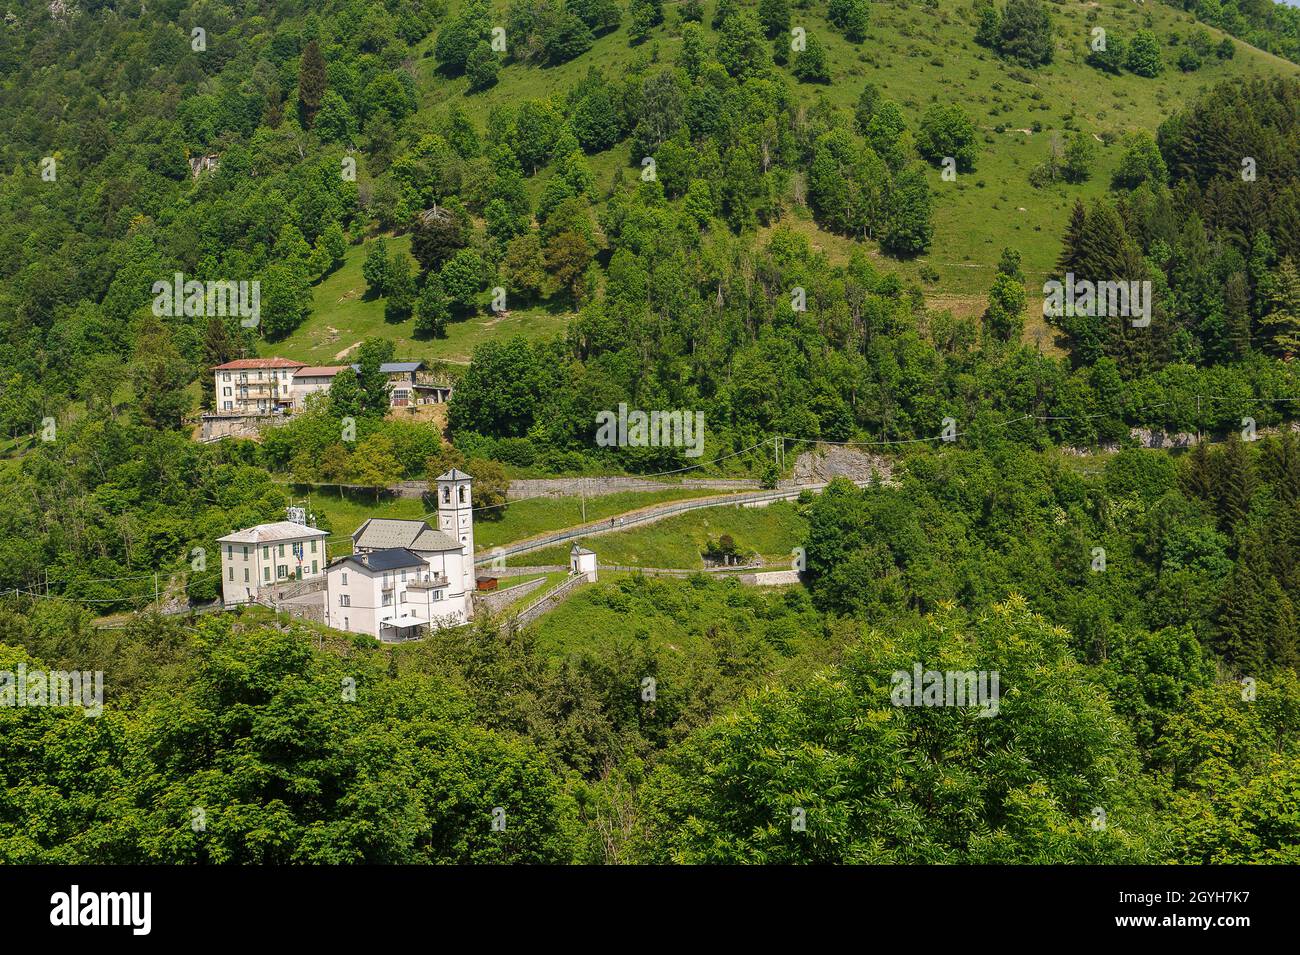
(456, 517)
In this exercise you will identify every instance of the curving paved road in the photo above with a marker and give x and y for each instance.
(645, 515)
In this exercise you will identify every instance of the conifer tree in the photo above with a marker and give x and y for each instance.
(1234, 483)
(218, 348)
(311, 82)
(1199, 477)
(1071, 250)
(1243, 619)
(1236, 305)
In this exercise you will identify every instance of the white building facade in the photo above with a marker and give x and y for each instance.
(391, 594)
(405, 577)
(582, 561)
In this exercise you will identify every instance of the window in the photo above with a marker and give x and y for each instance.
(437, 595)
(345, 624)
(225, 392)
(225, 376)
(282, 570)
(388, 598)
(245, 574)
(345, 600)
(345, 578)
(460, 492)
(231, 578)
(313, 547)
(446, 495)
(313, 567)
(403, 576)
(401, 598)
(225, 406)
(266, 552)
(266, 574)
(281, 550)
(229, 550)
(246, 552)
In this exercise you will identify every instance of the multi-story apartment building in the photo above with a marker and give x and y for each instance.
(250, 387)
(255, 386)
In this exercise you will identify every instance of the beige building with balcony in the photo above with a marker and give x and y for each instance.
(254, 386)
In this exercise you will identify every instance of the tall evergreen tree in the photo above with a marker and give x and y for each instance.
(1234, 483)
(1072, 243)
(311, 82)
(218, 348)
(1199, 474)
(1236, 305)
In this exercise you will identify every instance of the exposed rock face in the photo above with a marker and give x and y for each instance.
(202, 164)
(830, 461)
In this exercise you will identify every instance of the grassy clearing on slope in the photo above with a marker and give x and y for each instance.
(342, 317)
(343, 514)
(524, 519)
(679, 541)
(919, 54)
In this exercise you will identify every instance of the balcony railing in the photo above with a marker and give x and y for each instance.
(431, 584)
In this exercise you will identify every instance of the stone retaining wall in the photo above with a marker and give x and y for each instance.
(493, 600)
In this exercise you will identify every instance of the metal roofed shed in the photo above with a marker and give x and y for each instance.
(397, 367)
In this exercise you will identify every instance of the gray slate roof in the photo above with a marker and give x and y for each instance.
(455, 475)
(380, 533)
(395, 558)
(435, 540)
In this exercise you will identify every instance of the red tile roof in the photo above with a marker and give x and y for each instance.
(243, 363)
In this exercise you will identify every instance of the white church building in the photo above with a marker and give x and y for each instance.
(404, 577)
